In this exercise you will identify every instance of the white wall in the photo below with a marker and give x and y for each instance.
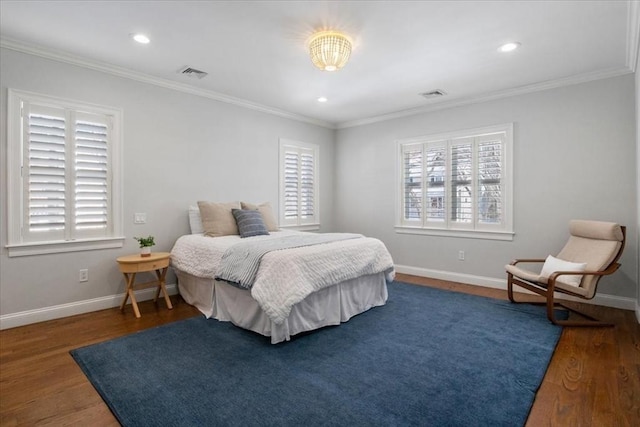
(574, 157)
(178, 148)
(637, 118)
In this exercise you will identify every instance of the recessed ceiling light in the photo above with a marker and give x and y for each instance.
(508, 47)
(322, 99)
(140, 38)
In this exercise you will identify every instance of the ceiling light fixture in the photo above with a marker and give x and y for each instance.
(508, 47)
(323, 99)
(329, 50)
(140, 38)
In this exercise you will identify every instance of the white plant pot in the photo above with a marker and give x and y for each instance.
(145, 251)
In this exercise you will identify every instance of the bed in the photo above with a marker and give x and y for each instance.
(295, 289)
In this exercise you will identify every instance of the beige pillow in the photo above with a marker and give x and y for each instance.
(217, 219)
(267, 214)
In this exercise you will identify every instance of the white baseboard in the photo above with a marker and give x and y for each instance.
(65, 310)
(614, 301)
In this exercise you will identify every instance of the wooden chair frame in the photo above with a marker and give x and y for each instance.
(548, 290)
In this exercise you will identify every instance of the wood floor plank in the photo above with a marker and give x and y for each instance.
(593, 378)
(40, 383)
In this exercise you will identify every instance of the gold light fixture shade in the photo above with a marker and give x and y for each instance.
(329, 50)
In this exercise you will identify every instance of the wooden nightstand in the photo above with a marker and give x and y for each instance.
(130, 265)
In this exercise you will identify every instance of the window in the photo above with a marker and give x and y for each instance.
(299, 185)
(63, 163)
(457, 184)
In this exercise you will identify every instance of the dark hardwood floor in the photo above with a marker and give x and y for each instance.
(594, 375)
(593, 378)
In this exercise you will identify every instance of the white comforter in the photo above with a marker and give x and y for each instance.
(286, 277)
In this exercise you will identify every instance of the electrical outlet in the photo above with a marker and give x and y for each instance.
(460, 255)
(84, 275)
(139, 218)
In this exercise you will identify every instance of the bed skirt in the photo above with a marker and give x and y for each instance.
(329, 306)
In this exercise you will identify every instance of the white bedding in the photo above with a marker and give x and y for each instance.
(287, 277)
(329, 306)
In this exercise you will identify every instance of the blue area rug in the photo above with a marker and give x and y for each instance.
(428, 357)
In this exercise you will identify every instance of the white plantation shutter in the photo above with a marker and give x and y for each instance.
(412, 181)
(490, 172)
(91, 186)
(436, 169)
(307, 179)
(457, 183)
(291, 185)
(299, 184)
(67, 173)
(61, 184)
(462, 200)
(45, 170)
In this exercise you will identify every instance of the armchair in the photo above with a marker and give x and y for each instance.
(592, 251)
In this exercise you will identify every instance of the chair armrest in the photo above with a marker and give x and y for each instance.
(610, 270)
(516, 261)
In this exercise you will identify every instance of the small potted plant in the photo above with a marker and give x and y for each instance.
(145, 245)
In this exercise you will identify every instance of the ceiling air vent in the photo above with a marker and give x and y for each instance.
(192, 72)
(433, 94)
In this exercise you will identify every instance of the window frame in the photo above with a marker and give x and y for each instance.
(475, 229)
(20, 244)
(301, 224)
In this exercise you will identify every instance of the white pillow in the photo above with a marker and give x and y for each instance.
(195, 222)
(552, 264)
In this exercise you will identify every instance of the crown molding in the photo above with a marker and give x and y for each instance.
(633, 41)
(68, 58)
(490, 96)
(633, 47)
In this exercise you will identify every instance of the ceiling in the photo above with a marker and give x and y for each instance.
(255, 51)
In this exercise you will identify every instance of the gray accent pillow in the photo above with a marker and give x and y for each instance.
(267, 214)
(250, 223)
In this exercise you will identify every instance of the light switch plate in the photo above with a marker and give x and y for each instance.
(139, 218)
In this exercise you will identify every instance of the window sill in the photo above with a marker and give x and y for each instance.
(306, 227)
(42, 248)
(467, 234)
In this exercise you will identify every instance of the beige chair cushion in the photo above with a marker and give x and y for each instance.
(525, 274)
(599, 230)
(597, 254)
(595, 243)
(267, 214)
(536, 278)
(217, 219)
